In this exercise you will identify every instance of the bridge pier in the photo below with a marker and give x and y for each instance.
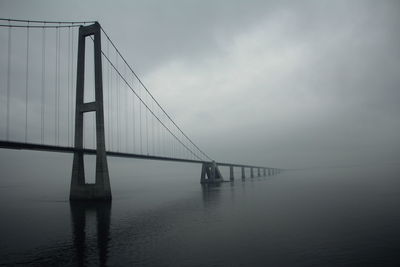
(269, 171)
(258, 172)
(264, 171)
(243, 173)
(231, 177)
(251, 172)
(101, 189)
(210, 173)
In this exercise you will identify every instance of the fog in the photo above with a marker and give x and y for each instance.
(276, 83)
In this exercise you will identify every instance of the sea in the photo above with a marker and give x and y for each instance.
(161, 215)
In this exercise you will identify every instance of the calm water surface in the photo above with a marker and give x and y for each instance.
(161, 216)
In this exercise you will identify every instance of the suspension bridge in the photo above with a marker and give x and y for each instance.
(65, 87)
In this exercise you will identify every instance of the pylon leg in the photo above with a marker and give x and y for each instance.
(101, 189)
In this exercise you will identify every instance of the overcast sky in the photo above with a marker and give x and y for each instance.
(277, 83)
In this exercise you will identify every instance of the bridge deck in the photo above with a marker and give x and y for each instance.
(66, 149)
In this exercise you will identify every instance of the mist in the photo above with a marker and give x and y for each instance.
(285, 84)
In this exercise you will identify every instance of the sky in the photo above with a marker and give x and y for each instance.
(293, 84)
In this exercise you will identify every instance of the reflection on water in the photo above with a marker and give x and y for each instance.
(210, 194)
(344, 217)
(79, 212)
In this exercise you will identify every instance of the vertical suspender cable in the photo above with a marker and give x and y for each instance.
(125, 112)
(140, 120)
(184, 150)
(94, 113)
(108, 96)
(155, 134)
(114, 92)
(94, 131)
(173, 148)
(133, 123)
(58, 87)
(171, 140)
(122, 114)
(152, 131)
(105, 101)
(110, 105)
(181, 149)
(26, 83)
(147, 128)
(114, 110)
(8, 84)
(159, 136)
(43, 82)
(164, 141)
(68, 75)
(118, 106)
(55, 90)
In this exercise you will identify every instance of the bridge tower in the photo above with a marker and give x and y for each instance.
(101, 189)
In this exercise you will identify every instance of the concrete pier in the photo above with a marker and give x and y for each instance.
(210, 173)
(243, 173)
(101, 189)
(231, 177)
(264, 171)
(251, 172)
(269, 171)
(258, 172)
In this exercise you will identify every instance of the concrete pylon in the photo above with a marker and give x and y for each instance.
(264, 171)
(210, 173)
(251, 172)
(243, 173)
(231, 177)
(269, 171)
(258, 172)
(101, 189)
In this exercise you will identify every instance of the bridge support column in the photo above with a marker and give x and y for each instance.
(231, 177)
(101, 189)
(264, 171)
(243, 173)
(210, 173)
(269, 171)
(251, 172)
(258, 169)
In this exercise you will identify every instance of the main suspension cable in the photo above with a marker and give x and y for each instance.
(141, 83)
(147, 107)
